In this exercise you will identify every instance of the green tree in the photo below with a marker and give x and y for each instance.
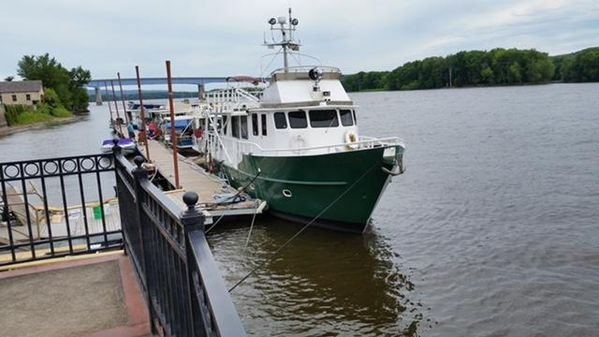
(514, 74)
(9, 78)
(486, 75)
(582, 66)
(67, 84)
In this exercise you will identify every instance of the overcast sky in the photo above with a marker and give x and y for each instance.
(224, 37)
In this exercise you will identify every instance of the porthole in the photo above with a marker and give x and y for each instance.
(287, 193)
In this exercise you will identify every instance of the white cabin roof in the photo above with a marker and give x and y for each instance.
(295, 86)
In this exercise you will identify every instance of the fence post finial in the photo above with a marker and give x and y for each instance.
(115, 144)
(138, 160)
(191, 216)
(190, 199)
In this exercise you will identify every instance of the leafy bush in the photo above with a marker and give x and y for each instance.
(51, 97)
(12, 113)
(61, 112)
(22, 114)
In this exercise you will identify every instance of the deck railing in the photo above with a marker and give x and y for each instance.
(57, 207)
(238, 147)
(185, 293)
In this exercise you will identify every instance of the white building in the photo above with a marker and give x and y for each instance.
(21, 93)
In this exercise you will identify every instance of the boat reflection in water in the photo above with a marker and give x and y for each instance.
(322, 284)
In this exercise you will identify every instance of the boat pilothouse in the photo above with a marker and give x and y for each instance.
(298, 146)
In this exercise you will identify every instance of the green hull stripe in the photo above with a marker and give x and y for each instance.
(295, 182)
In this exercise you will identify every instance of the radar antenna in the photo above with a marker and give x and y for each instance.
(287, 27)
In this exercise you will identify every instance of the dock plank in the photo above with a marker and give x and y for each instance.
(194, 178)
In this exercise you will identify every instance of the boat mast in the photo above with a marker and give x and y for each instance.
(287, 43)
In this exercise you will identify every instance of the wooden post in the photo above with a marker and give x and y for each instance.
(173, 130)
(116, 106)
(109, 105)
(123, 99)
(143, 134)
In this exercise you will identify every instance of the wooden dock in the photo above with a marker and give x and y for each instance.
(82, 219)
(194, 178)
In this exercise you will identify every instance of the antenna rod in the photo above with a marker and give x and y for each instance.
(290, 36)
(284, 45)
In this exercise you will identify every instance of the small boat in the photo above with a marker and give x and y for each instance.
(150, 110)
(127, 145)
(184, 130)
(297, 145)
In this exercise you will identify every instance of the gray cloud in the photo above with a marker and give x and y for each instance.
(223, 37)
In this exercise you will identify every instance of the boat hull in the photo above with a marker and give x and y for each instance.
(337, 191)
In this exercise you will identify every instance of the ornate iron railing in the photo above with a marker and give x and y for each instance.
(185, 293)
(56, 207)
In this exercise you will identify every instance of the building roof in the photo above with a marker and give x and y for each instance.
(20, 86)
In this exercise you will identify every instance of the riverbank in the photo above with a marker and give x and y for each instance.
(9, 130)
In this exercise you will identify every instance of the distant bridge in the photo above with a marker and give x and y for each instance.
(98, 84)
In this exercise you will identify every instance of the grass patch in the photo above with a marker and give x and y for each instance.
(23, 115)
(31, 117)
(61, 112)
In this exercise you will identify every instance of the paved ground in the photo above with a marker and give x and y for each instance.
(81, 300)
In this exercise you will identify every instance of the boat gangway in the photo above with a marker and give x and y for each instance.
(208, 186)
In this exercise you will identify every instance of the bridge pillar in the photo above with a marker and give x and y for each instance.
(98, 96)
(201, 92)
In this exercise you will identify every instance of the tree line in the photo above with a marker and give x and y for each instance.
(478, 68)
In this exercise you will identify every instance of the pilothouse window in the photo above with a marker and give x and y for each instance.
(323, 118)
(346, 119)
(235, 126)
(263, 119)
(297, 119)
(244, 127)
(280, 120)
(254, 124)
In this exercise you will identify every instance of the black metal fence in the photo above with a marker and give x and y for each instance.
(65, 206)
(185, 293)
(56, 207)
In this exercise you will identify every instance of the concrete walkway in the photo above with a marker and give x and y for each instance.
(93, 297)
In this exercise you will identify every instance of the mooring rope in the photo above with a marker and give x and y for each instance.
(233, 198)
(247, 240)
(301, 230)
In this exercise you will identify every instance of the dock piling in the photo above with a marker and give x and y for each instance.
(143, 132)
(173, 129)
(98, 96)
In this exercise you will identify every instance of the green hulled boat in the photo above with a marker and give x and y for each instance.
(298, 146)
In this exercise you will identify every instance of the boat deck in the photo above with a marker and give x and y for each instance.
(193, 178)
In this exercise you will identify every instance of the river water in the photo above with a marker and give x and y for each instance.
(492, 231)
